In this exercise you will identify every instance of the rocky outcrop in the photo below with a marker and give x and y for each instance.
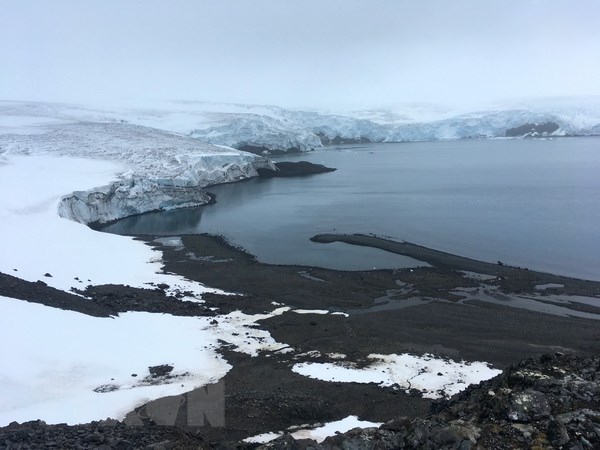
(339, 140)
(294, 169)
(533, 130)
(550, 402)
(106, 434)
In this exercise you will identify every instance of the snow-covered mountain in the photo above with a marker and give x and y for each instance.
(272, 129)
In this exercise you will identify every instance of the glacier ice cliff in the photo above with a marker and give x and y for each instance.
(162, 170)
(126, 198)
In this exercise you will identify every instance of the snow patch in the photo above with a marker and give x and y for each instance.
(171, 241)
(320, 433)
(250, 340)
(79, 368)
(50, 372)
(433, 377)
(311, 311)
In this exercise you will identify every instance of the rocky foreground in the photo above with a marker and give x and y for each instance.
(549, 402)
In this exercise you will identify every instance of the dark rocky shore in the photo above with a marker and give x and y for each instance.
(509, 278)
(294, 169)
(442, 322)
(264, 395)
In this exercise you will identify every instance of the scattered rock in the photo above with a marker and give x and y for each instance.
(105, 434)
(124, 445)
(160, 371)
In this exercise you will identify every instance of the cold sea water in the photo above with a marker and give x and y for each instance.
(529, 202)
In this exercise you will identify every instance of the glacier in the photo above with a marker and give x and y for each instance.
(272, 129)
(171, 150)
(162, 170)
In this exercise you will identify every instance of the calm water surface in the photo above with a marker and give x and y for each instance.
(530, 203)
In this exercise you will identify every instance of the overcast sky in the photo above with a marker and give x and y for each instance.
(298, 53)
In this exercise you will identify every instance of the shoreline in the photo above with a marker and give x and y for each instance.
(222, 265)
(103, 316)
(445, 259)
(264, 394)
(443, 326)
(437, 311)
(285, 169)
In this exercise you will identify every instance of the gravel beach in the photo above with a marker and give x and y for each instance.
(458, 309)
